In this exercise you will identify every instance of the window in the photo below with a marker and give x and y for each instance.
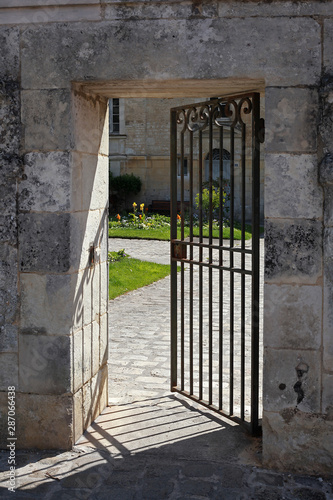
(114, 117)
(180, 167)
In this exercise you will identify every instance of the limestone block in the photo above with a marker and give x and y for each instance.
(50, 14)
(78, 360)
(326, 168)
(91, 295)
(8, 284)
(172, 49)
(291, 186)
(86, 358)
(78, 286)
(3, 419)
(262, 8)
(103, 389)
(328, 206)
(165, 11)
(7, 196)
(46, 303)
(326, 129)
(45, 364)
(327, 408)
(9, 370)
(292, 380)
(8, 338)
(104, 237)
(85, 233)
(104, 270)
(104, 338)
(90, 125)
(291, 120)
(103, 118)
(47, 183)
(11, 170)
(45, 421)
(95, 327)
(293, 251)
(78, 416)
(76, 192)
(44, 242)
(36, 3)
(10, 127)
(328, 45)
(46, 117)
(293, 316)
(10, 53)
(95, 182)
(8, 229)
(87, 405)
(328, 299)
(296, 441)
(96, 387)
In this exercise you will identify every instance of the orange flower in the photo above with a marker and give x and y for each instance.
(178, 217)
(118, 217)
(140, 216)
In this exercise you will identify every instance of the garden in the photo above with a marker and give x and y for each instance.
(125, 273)
(142, 224)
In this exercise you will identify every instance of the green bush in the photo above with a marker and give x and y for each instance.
(121, 187)
(215, 199)
(126, 184)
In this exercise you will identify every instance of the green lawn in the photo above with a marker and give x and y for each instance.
(163, 233)
(128, 274)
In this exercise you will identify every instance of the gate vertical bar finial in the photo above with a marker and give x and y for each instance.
(173, 229)
(255, 263)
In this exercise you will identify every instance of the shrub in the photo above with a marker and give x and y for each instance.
(215, 198)
(123, 186)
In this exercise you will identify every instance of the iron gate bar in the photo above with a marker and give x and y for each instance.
(173, 235)
(255, 263)
(210, 340)
(182, 264)
(231, 258)
(213, 266)
(200, 270)
(243, 275)
(221, 213)
(214, 247)
(206, 115)
(191, 265)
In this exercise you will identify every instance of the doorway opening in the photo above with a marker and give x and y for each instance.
(166, 91)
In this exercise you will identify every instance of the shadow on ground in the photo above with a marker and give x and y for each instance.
(158, 448)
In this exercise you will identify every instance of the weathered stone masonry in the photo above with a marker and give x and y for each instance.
(58, 66)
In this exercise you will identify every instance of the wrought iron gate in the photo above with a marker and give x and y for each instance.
(215, 183)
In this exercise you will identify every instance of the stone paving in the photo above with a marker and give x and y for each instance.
(149, 443)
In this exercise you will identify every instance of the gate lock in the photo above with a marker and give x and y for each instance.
(179, 251)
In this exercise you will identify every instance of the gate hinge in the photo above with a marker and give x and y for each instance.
(261, 133)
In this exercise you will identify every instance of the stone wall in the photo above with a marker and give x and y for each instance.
(54, 62)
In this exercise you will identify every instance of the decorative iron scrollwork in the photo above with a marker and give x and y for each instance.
(227, 112)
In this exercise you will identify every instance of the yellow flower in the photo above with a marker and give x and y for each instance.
(134, 205)
(142, 207)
